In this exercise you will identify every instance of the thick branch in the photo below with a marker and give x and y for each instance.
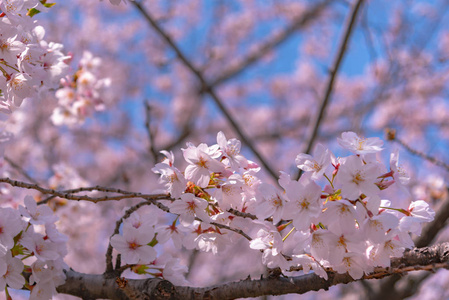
(102, 286)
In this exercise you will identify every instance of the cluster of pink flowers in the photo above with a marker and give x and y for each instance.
(29, 65)
(136, 246)
(82, 94)
(346, 225)
(30, 243)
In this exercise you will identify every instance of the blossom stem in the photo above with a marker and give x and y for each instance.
(330, 181)
(370, 214)
(397, 209)
(285, 237)
(6, 64)
(8, 296)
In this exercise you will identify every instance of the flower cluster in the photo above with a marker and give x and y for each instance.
(29, 65)
(29, 235)
(136, 246)
(82, 94)
(346, 225)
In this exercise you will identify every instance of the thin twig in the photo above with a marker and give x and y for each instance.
(238, 231)
(205, 87)
(333, 74)
(241, 214)
(70, 196)
(391, 135)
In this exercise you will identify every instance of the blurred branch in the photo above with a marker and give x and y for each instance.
(391, 136)
(205, 86)
(350, 22)
(431, 230)
(91, 286)
(267, 45)
(150, 133)
(20, 169)
(186, 131)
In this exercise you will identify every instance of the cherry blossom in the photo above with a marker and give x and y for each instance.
(38, 215)
(351, 141)
(132, 245)
(272, 203)
(304, 203)
(10, 226)
(399, 174)
(174, 272)
(188, 207)
(357, 178)
(317, 164)
(270, 241)
(13, 275)
(201, 164)
(231, 150)
(171, 177)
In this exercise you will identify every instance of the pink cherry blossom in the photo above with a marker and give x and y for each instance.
(201, 164)
(13, 275)
(351, 141)
(132, 245)
(189, 207)
(317, 164)
(303, 204)
(231, 150)
(357, 178)
(41, 214)
(271, 203)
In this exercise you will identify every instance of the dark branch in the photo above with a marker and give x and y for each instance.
(69, 194)
(101, 286)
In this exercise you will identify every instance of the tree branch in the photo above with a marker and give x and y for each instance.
(151, 135)
(205, 87)
(391, 135)
(90, 286)
(333, 74)
(68, 194)
(267, 45)
(19, 169)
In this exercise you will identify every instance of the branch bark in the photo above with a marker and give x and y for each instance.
(69, 194)
(111, 286)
